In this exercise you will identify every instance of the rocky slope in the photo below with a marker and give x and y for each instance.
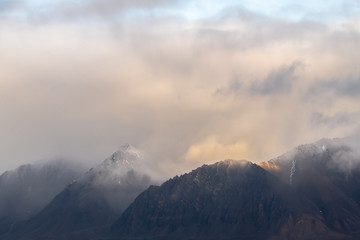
(226, 200)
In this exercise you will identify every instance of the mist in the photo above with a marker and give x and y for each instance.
(27, 189)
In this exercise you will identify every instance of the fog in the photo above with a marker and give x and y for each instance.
(28, 189)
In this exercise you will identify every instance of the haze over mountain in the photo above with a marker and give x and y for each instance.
(27, 189)
(327, 173)
(92, 202)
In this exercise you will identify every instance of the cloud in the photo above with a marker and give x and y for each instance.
(210, 150)
(108, 8)
(91, 12)
(341, 154)
(338, 119)
(240, 29)
(278, 82)
(234, 87)
(345, 87)
(81, 89)
(8, 4)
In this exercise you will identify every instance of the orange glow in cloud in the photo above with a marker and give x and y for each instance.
(210, 150)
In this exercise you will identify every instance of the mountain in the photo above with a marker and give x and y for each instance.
(226, 200)
(308, 193)
(328, 174)
(90, 204)
(29, 188)
(311, 192)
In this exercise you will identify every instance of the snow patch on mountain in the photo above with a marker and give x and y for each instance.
(118, 179)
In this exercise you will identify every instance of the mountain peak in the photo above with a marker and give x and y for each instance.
(126, 156)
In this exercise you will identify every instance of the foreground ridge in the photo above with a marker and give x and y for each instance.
(226, 200)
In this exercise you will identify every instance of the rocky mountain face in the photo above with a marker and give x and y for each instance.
(308, 193)
(91, 203)
(227, 200)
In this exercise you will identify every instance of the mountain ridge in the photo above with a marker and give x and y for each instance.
(304, 194)
(197, 210)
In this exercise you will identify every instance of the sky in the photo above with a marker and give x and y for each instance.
(187, 82)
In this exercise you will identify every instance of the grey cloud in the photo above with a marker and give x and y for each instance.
(110, 7)
(110, 4)
(82, 11)
(235, 85)
(252, 30)
(348, 87)
(341, 118)
(280, 81)
(9, 5)
(5, 4)
(233, 88)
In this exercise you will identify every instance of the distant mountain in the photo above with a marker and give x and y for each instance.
(90, 204)
(29, 188)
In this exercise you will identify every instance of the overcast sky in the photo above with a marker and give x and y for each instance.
(188, 82)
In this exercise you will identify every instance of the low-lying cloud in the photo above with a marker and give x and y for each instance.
(28, 189)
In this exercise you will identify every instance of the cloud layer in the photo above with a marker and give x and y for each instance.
(79, 79)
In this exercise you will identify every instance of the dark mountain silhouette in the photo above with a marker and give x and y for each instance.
(226, 200)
